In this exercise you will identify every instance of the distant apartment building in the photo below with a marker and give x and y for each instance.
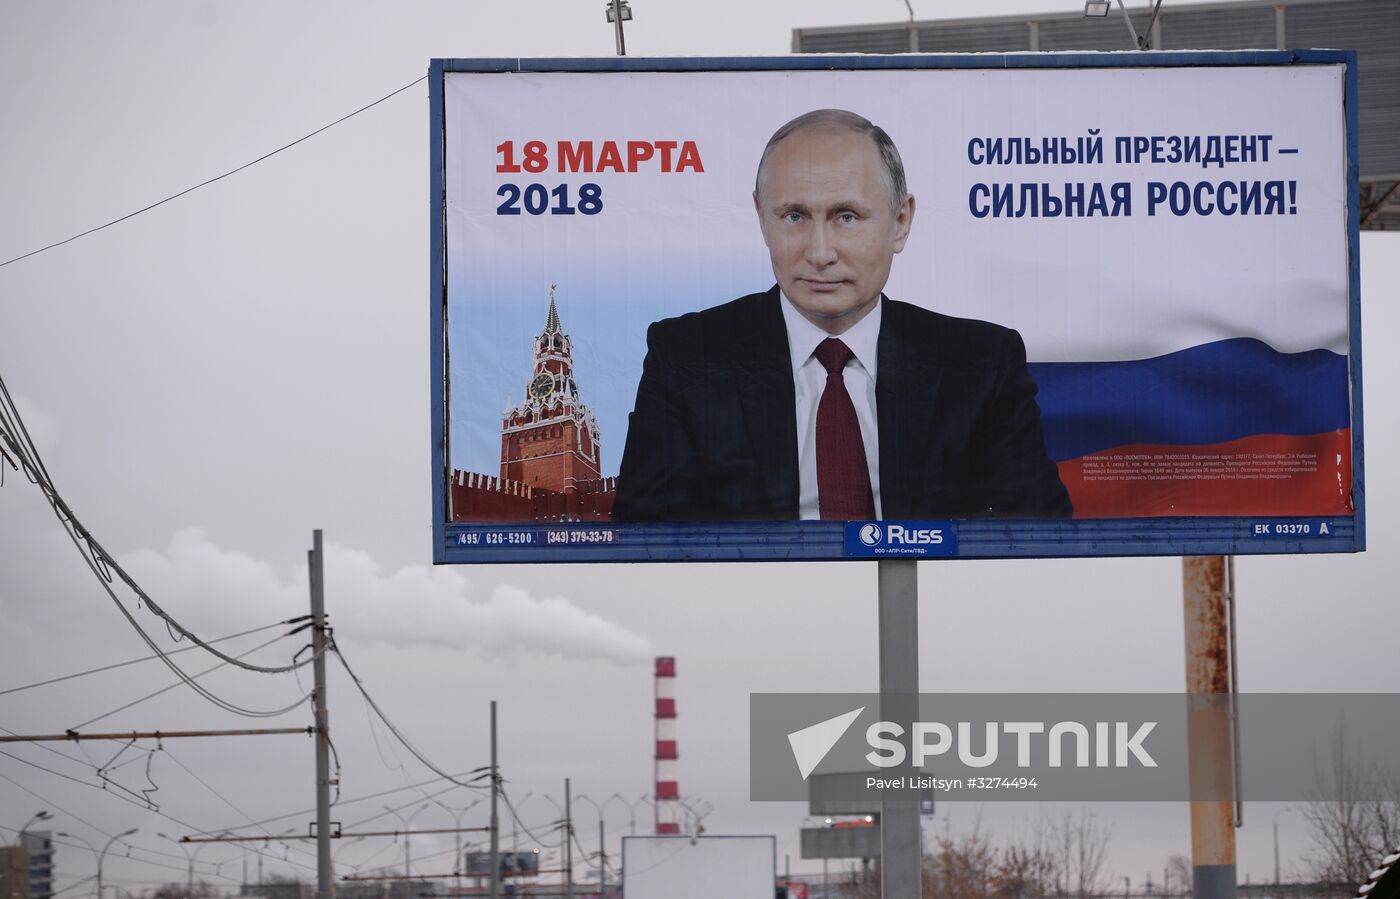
(40, 846)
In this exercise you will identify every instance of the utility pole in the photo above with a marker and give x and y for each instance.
(495, 822)
(602, 862)
(325, 875)
(1276, 877)
(568, 844)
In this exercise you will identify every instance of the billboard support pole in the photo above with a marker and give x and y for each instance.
(1209, 731)
(901, 863)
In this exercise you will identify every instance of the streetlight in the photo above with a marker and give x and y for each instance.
(619, 12)
(457, 818)
(602, 849)
(1098, 9)
(103, 854)
(561, 824)
(407, 858)
(189, 861)
(696, 816)
(74, 836)
(190, 856)
(632, 812)
(99, 855)
(40, 816)
(565, 824)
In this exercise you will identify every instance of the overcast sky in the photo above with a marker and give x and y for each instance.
(213, 379)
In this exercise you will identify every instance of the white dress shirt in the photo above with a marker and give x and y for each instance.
(809, 381)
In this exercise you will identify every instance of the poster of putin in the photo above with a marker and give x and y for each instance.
(855, 307)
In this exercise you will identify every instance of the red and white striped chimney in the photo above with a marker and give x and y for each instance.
(667, 788)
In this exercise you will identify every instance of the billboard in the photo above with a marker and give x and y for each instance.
(864, 307)
(699, 867)
(479, 863)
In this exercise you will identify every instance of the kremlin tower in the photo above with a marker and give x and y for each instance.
(551, 465)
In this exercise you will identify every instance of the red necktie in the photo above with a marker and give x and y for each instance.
(843, 480)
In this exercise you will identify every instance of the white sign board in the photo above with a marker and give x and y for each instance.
(699, 867)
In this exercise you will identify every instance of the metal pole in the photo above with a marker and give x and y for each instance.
(457, 856)
(602, 862)
(617, 27)
(900, 862)
(1208, 728)
(325, 873)
(568, 844)
(495, 822)
(1276, 877)
(102, 856)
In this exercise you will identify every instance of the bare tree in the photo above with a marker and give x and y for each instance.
(1356, 826)
(201, 890)
(962, 866)
(1063, 859)
(1079, 846)
(1025, 871)
(1179, 880)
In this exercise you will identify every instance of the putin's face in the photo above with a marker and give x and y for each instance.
(830, 224)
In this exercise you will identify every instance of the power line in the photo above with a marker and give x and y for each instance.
(143, 805)
(50, 802)
(224, 799)
(68, 677)
(102, 565)
(398, 808)
(359, 685)
(529, 833)
(169, 687)
(343, 802)
(206, 183)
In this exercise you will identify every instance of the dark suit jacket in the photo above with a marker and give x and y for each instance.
(713, 434)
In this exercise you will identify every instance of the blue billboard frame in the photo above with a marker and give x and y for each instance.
(459, 542)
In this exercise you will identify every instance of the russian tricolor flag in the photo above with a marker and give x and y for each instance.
(1229, 427)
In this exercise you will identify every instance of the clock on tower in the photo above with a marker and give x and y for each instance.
(551, 441)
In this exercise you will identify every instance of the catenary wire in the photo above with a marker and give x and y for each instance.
(407, 744)
(150, 658)
(343, 803)
(528, 832)
(251, 847)
(226, 801)
(209, 181)
(103, 566)
(169, 687)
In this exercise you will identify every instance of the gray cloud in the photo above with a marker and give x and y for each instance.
(218, 589)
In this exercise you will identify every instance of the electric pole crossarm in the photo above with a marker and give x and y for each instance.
(335, 835)
(531, 873)
(73, 736)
